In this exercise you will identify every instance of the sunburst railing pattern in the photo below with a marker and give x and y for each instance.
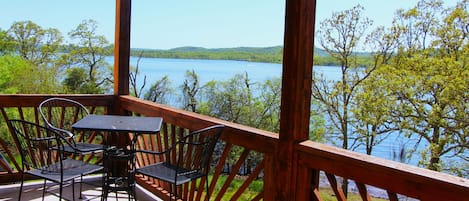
(324, 166)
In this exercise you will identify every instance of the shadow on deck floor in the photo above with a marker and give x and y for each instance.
(33, 191)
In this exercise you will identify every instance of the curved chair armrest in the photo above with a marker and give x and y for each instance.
(181, 142)
(63, 132)
(66, 138)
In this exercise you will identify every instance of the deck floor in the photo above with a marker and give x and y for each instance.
(33, 191)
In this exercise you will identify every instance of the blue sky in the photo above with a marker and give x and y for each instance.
(163, 24)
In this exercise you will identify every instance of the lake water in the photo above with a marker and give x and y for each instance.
(207, 70)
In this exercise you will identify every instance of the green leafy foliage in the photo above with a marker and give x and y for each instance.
(159, 91)
(433, 87)
(420, 86)
(340, 36)
(190, 89)
(415, 82)
(89, 52)
(33, 43)
(253, 54)
(14, 72)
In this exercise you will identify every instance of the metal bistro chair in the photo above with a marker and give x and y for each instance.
(60, 114)
(192, 155)
(42, 156)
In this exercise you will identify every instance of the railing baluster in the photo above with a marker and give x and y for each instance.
(316, 196)
(173, 139)
(25, 107)
(152, 145)
(248, 181)
(4, 145)
(37, 116)
(21, 113)
(219, 167)
(395, 178)
(392, 196)
(259, 196)
(363, 191)
(335, 187)
(233, 173)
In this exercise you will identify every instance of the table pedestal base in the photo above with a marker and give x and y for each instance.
(120, 173)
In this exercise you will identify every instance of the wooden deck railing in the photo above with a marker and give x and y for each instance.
(236, 139)
(239, 142)
(25, 107)
(393, 177)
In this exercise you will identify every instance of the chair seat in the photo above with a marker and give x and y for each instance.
(166, 172)
(85, 148)
(71, 169)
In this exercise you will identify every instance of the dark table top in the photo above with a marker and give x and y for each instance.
(116, 123)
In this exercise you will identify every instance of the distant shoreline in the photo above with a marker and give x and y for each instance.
(267, 54)
(252, 54)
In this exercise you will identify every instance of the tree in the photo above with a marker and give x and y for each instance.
(269, 104)
(76, 82)
(33, 43)
(340, 37)
(190, 89)
(39, 47)
(135, 90)
(415, 24)
(6, 43)
(233, 100)
(372, 112)
(89, 52)
(159, 92)
(430, 83)
(15, 72)
(229, 100)
(373, 103)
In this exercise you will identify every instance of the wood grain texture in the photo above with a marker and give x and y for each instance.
(296, 93)
(122, 47)
(396, 177)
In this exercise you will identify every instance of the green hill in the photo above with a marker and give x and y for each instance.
(254, 54)
(262, 50)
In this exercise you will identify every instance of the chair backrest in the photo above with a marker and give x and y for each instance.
(194, 151)
(62, 113)
(39, 146)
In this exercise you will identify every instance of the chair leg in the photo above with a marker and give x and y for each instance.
(60, 191)
(103, 187)
(81, 182)
(44, 190)
(21, 187)
(73, 190)
(134, 192)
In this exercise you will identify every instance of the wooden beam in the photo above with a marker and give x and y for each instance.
(296, 95)
(392, 176)
(122, 47)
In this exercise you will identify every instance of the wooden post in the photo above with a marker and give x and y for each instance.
(122, 47)
(121, 67)
(296, 97)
